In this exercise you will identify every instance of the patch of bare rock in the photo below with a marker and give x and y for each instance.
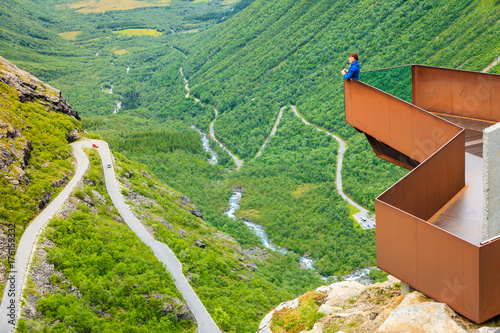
(349, 306)
(31, 88)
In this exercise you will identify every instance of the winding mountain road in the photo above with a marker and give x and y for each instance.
(338, 178)
(273, 131)
(10, 306)
(360, 217)
(236, 160)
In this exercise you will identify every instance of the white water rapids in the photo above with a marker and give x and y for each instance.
(118, 107)
(206, 146)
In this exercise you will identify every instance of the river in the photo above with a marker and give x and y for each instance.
(360, 275)
(236, 160)
(118, 107)
(206, 146)
(234, 204)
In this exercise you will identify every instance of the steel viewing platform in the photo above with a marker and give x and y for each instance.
(438, 227)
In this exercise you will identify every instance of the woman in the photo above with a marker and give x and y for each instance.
(353, 71)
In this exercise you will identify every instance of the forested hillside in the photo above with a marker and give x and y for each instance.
(247, 60)
(292, 52)
(120, 284)
(103, 277)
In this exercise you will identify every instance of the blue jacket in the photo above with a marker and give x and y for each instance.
(353, 71)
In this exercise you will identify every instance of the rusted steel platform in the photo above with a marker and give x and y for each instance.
(429, 224)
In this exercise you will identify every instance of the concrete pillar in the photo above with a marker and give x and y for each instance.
(406, 288)
(491, 182)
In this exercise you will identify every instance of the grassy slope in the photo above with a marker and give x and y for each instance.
(234, 294)
(50, 159)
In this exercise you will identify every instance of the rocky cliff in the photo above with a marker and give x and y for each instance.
(30, 88)
(18, 90)
(352, 307)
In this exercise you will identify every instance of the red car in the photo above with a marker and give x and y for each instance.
(95, 146)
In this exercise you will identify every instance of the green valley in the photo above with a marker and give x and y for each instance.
(119, 64)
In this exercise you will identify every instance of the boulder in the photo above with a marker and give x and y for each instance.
(339, 293)
(353, 307)
(196, 212)
(199, 243)
(265, 324)
(73, 136)
(60, 182)
(253, 266)
(99, 197)
(417, 313)
(45, 200)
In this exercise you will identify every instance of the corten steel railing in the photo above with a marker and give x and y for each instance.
(456, 92)
(442, 265)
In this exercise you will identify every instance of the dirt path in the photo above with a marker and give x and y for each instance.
(487, 68)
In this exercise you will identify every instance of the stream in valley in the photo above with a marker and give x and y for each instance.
(234, 204)
(206, 146)
(118, 107)
(110, 91)
(360, 275)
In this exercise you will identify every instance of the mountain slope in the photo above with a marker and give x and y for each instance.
(90, 275)
(292, 52)
(36, 124)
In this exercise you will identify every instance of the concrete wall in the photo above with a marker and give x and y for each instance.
(491, 182)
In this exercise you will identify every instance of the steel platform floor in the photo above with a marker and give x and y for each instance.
(473, 132)
(462, 216)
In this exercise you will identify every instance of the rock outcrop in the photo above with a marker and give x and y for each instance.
(190, 207)
(15, 147)
(15, 152)
(31, 88)
(353, 307)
